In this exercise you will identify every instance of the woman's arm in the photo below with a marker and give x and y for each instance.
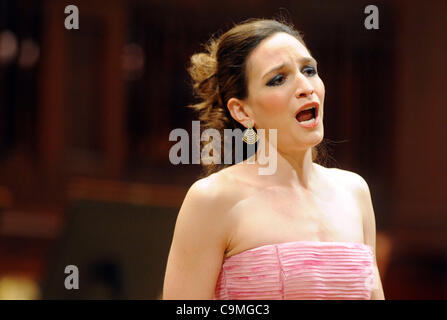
(369, 232)
(198, 245)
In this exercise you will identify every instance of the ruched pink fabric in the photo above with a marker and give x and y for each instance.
(299, 270)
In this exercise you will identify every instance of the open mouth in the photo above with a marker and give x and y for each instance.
(308, 115)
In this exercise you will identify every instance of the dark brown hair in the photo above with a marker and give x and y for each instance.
(219, 74)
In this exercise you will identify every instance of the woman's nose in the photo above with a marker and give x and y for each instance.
(305, 92)
(305, 89)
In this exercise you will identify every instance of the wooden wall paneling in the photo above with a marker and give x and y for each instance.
(420, 147)
(114, 96)
(53, 86)
(56, 83)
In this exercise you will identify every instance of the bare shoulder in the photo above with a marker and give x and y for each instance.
(359, 188)
(202, 219)
(217, 188)
(202, 201)
(205, 189)
(352, 181)
(199, 242)
(211, 198)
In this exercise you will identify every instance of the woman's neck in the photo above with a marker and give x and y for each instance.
(295, 170)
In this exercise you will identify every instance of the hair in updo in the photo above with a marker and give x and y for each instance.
(219, 74)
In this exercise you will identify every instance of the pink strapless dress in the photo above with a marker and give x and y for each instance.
(298, 270)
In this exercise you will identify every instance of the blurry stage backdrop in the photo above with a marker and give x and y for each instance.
(85, 116)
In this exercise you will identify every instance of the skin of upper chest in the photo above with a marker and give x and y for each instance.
(277, 214)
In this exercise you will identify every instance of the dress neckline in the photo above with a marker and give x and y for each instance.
(303, 242)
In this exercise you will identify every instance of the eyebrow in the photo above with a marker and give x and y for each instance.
(302, 60)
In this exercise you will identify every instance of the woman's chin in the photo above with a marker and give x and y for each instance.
(311, 139)
(300, 145)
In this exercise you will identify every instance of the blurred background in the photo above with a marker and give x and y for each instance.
(85, 116)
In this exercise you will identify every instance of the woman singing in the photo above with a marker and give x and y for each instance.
(303, 232)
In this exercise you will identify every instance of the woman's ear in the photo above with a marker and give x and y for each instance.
(238, 110)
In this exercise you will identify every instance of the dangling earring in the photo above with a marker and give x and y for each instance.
(250, 136)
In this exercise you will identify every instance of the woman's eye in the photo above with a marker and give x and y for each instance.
(276, 81)
(310, 70)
